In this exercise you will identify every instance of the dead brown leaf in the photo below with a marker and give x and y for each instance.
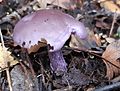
(102, 25)
(5, 57)
(103, 22)
(111, 5)
(97, 39)
(112, 54)
(94, 38)
(110, 40)
(90, 42)
(66, 4)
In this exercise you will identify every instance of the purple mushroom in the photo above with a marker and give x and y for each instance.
(52, 27)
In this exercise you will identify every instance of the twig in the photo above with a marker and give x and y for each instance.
(114, 20)
(65, 89)
(28, 60)
(112, 87)
(9, 79)
(69, 86)
(44, 72)
(1, 37)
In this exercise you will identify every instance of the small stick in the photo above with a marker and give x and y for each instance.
(28, 60)
(112, 87)
(9, 79)
(114, 20)
(1, 37)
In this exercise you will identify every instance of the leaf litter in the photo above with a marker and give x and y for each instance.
(112, 54)
(82, 65)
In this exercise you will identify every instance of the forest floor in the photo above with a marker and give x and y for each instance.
(94, 69)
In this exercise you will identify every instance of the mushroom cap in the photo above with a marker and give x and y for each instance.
(50, 25)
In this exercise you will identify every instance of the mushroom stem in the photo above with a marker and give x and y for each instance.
(57, 61)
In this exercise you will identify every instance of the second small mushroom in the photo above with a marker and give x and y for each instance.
(51, 26)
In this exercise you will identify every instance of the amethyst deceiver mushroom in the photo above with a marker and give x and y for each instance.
(52, 26)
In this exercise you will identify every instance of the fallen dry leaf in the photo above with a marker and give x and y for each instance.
(97, 39)
(112, 54)
(66, 4)
(110, 40)
(94, 38)
(103, 22)
(90, 42)
(102, 25)
(111, 5)
(5, 57)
